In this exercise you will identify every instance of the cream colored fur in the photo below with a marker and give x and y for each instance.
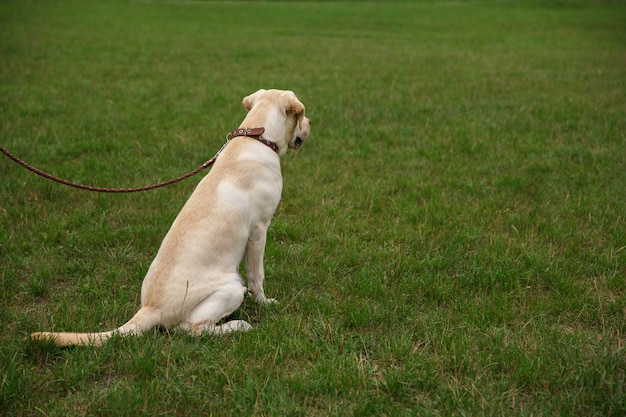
(193, 281)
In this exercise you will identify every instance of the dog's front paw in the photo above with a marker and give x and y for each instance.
(260, 298)
(264, 300)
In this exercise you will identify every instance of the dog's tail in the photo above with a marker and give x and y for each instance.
(145, 319)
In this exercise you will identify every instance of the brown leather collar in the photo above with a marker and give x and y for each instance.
(255, 133)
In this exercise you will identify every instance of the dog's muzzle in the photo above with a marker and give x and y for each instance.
(297, 142)
(301, 135)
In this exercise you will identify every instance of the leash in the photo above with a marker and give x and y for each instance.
(255, 133)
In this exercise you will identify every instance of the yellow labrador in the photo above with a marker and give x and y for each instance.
(193, 281)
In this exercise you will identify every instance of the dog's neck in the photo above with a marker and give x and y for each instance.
(255, 133)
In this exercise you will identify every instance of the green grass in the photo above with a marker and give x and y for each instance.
(451, 240)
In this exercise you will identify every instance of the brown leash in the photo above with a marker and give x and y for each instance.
(255, 133)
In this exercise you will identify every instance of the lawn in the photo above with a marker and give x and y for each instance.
(451, 239)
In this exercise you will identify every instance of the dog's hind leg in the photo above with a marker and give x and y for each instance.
(215, 307)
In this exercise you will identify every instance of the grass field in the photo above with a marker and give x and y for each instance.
(451, 240)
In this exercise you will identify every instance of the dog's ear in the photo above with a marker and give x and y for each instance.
(295, 106)
(248, 101)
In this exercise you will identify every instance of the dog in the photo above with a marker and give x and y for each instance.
(193, 282)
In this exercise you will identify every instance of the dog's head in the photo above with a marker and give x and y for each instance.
(281, 114)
